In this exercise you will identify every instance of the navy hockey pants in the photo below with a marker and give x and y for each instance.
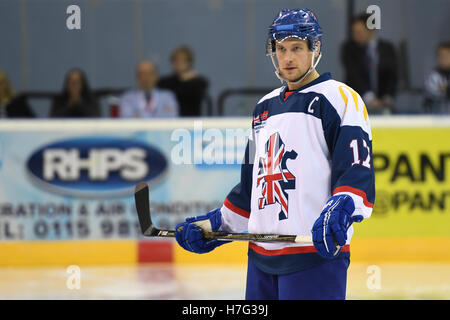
(327, 281)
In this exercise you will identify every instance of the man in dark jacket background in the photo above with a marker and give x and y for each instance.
(370, 66)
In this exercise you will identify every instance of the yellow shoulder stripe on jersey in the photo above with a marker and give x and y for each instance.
(355, 99)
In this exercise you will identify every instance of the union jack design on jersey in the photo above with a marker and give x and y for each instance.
(274, 176)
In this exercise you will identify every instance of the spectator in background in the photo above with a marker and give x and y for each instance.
(76, 99)
(11, 105)
(148, 101)
(370, 67)
(188, 86)
(437, 83)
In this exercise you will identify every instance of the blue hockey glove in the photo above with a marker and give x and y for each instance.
(329, 232)
(191, 236)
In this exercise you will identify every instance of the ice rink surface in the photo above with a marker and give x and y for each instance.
(167, 281)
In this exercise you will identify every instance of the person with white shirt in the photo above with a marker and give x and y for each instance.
(147, 101)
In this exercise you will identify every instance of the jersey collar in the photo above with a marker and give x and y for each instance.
(323, 77)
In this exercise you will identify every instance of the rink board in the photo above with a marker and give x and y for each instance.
(82, 221)
(364, 250)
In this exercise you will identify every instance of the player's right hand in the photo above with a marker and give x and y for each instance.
(189, 234)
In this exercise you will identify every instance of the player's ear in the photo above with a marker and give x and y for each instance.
(317, 52)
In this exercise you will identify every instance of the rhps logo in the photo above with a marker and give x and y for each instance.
(275, 176)
(95, 166)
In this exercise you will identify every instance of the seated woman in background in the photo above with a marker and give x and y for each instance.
(188, 86)
(11, 105)
(76, 99)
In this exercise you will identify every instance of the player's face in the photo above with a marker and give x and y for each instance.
(294, 58)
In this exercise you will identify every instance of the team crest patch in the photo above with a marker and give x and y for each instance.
(274, 176)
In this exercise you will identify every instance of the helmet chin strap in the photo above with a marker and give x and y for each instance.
(311, 68)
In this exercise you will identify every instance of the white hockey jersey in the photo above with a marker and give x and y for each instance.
(304, 148)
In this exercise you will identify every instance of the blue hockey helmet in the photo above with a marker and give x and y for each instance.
(294, 23)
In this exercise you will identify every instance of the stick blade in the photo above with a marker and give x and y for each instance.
(142, 201)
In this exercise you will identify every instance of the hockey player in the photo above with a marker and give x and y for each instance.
(307, 171)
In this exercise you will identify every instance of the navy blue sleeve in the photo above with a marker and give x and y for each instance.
(350, 147)
(238, 199)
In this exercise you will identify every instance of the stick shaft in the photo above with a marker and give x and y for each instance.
(229, 236)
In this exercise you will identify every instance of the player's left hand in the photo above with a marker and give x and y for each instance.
(329, 232)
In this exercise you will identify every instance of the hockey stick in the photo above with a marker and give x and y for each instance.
(141, 197)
